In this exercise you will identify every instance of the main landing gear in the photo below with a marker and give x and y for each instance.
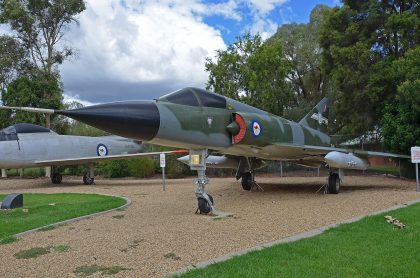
(246, 173)
(56, 177)
(334, 181)
(89, 178)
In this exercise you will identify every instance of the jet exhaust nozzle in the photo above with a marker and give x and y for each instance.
(133, 119)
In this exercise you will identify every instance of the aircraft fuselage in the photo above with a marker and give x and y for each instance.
(33, 147)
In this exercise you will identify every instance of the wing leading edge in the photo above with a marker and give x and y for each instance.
(85, 160)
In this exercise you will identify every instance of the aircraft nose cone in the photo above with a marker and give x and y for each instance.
(132, 119)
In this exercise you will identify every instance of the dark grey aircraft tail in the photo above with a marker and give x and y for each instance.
(317, 118)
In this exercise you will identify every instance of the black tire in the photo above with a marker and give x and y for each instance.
(56, 178)
(246, 181)
(203, 205)
(333, 183)
(87, 180)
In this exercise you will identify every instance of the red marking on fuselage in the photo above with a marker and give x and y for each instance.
(242, 128)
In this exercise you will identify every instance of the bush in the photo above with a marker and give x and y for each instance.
(137, 167)
(78, 170)
(113, 169)
(142, 167)
(176, 169)
(27, 172)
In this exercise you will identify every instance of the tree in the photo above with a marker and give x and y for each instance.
(401, 120)
(301, 48)
(360, 42)
(40, 26)
(12, 60)
(36, 90)
(308, 82)
(251, 71)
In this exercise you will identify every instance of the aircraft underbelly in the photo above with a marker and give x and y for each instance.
(269, 153)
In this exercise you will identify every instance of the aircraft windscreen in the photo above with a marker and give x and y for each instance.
(8, 134)
(184, 96)
(209, 99)
(11, 132)
(196, 97)
(29, 128)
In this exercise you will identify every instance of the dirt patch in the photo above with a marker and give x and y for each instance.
(160, 233)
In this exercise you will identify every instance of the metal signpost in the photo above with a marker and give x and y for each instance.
(415, 158)
(163, 165)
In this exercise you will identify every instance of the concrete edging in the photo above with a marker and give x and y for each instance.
(293, 238)
(128, 202)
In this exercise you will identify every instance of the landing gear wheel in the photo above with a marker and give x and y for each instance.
(334, 183)
(56, 178)
(88, 180)
(246, 181)
(203, 205)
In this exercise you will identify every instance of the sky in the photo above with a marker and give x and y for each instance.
(142, 49)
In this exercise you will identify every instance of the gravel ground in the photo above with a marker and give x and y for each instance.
(161, 223)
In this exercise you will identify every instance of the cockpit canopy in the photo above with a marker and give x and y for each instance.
(195, 97)
(11, 132)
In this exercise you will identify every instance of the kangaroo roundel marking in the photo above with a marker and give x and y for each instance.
(101, 150)
(256, 128)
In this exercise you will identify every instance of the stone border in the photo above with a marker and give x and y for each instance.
(293, 238)
(128, 202)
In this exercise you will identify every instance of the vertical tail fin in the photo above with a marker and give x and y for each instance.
(317, 118)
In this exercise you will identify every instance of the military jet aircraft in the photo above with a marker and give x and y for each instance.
(28, 145)
(203, 121)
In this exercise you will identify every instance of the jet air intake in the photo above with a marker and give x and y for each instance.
(133, 119)
(248, 128)
(346, 161)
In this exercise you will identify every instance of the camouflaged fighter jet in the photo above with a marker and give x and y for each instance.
(28, 145)
(203, 121)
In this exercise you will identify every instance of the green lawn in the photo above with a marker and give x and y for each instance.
(45, 209)
(370, 247)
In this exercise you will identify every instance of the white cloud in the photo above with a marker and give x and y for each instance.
(132, 48)
(265, 27)
(263, 7)
(261, 23)
(155, 41)
(69, 99)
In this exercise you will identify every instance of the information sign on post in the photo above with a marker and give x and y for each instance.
(415, 158)
(163, 165)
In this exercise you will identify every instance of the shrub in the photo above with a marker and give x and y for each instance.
(142, 167)
(113, 169)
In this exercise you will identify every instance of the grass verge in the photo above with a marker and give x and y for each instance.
(32, 253)
(38, 210)
(370, 247)
(7, 240)
(88, 270)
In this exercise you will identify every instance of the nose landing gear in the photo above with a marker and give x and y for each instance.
(204, 200)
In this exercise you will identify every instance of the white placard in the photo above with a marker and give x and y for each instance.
(415, 154)
(162, 160)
